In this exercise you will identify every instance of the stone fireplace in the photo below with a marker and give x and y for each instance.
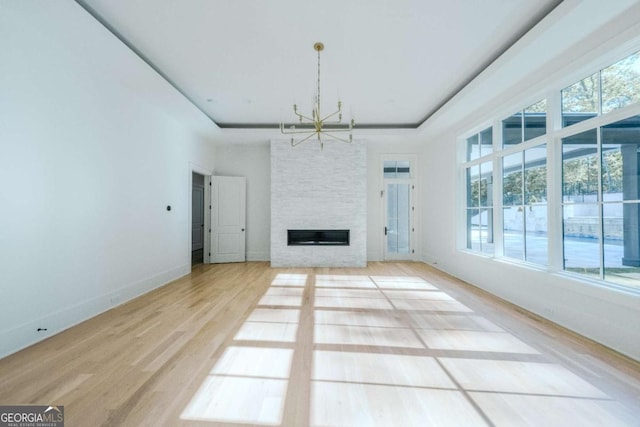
(321, 195)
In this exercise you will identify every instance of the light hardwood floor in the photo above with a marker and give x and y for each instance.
(394, 344)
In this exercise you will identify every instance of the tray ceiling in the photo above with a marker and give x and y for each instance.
(392, 63)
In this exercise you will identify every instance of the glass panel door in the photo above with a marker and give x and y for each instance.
(398, 220)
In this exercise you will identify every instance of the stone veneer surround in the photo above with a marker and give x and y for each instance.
(314, 189)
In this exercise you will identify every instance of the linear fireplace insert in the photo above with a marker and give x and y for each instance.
(318, 237)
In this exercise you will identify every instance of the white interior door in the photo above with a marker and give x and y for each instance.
(197, 218)
(228, 219)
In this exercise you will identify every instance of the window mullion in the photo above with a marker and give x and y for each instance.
(498, 218)
(555, 210)
(600, 200)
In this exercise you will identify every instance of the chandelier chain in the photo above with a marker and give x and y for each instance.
(318, 94)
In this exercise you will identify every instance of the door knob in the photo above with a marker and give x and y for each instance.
(243, 229)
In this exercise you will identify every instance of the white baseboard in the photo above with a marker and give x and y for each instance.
(20, 337)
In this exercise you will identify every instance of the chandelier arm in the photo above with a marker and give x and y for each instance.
(333, 114)
(302, 116)
(293, 144)
(333, 122)
(336, 130)
(292, 132)
(348, 141)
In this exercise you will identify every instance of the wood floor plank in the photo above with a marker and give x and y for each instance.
(246, 344)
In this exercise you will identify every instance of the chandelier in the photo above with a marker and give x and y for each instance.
(314, 125)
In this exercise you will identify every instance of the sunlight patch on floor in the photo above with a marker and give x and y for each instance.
(247, 384)
(254, 361)
(357, 318)
(402, 282)
(358, 335)
(354, 404)
(280, 291)
(238, 400)
(430, 305)
(420, 295)
(265, 331)
(282, 315)
(348, 293)
(446, 321)
(283, 279)
(501, 342)
(333, 281)
(376, 368)
(286, 301)
(519, 377)
(516, 409)
(367, 303)
(387, 350)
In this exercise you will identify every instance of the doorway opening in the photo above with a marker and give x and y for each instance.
(197, 218)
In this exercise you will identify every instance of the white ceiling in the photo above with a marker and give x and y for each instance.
(392, 63)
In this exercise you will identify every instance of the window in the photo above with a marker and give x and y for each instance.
(473, 147)
(513, 211)
(512, 129)
(525, 124)
(480, 208)
(535, 204)
(479, 192)
(580, 101)
(592, 172)
(535, 120)
(524, 191)
(619, 85)
(580, 203)
(524, 181)
(397, 169)
(480, 144)
(601, 196)
(621, 201)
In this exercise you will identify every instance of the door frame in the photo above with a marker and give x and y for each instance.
(414, 179)
(206, 249)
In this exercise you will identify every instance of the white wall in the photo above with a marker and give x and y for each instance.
(603, 314)
(252, 161)
(89, 160)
